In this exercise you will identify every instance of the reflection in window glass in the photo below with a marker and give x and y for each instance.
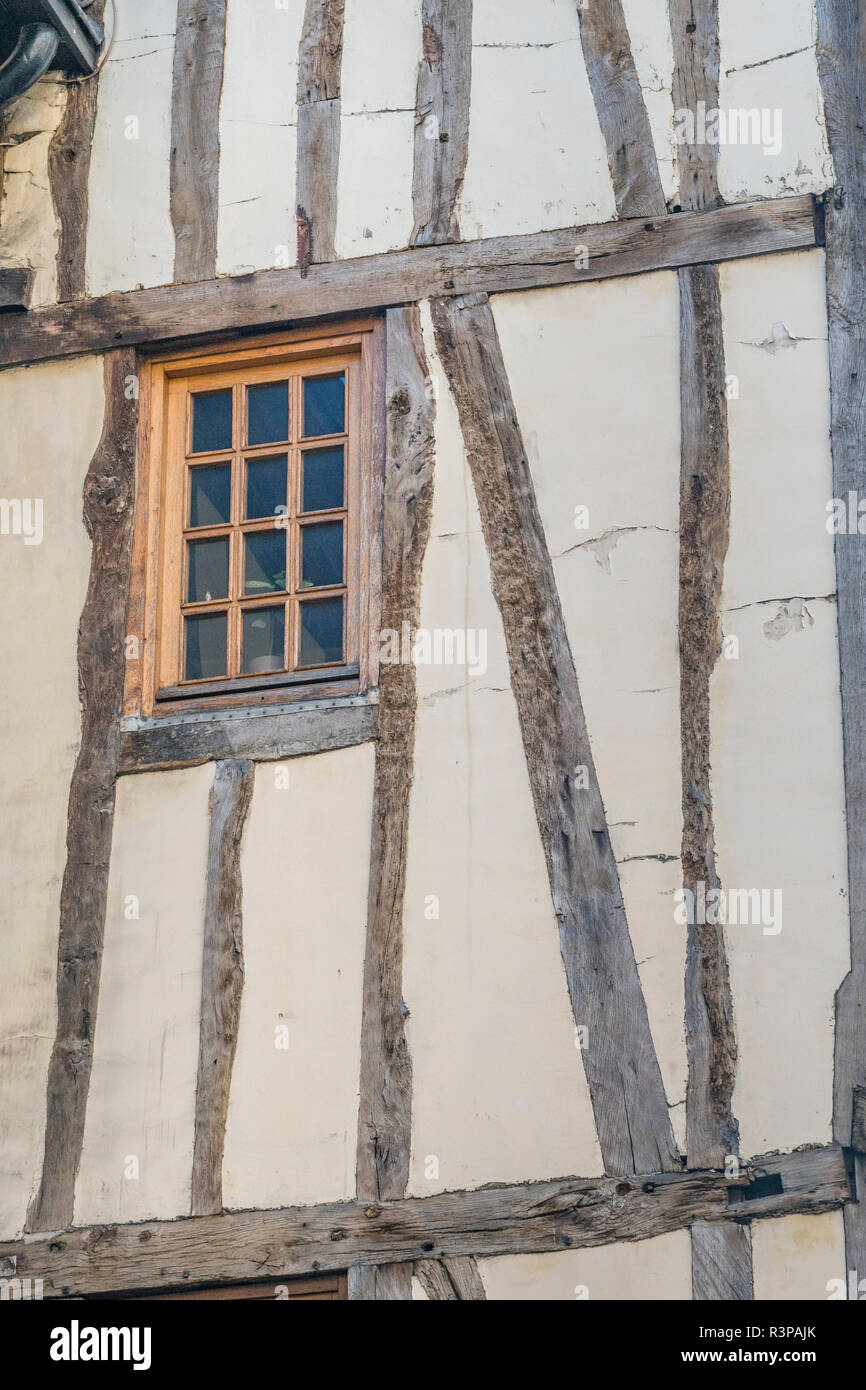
(322, 561)
(266, 486)
(323, 479)
(268, 413)
(205, 647)
(210, 495)
(211, 422)
(322, 632)
(324, 405)
(208, 574)
(265, 562)
(263, 640)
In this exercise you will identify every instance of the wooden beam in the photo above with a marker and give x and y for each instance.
(69, 177)
(628, 1098)
(319, 69)
(450, 1281)
(270, 298)
(380, 1283)
(695, 33)
(199, 47)
(530, 1218)
(842, 68)
(108, 515)
(711, 1130)
(261, 737)
(384, 1116)
(621, 110)
(441, 119)
(722, 1261)
(222, 980)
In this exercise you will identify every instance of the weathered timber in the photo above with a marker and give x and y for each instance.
(195, 137)
(441, 119)
(380, 1283)
(711, 1130)
(16, 287)
(361, 1283)
(621, 110)
(450, 1281)
(222, 980)
(270, 298)
(320, 59)
(568, 1213)
(259, 737)
(384, 1116)
(108, 516)
(721, 1261)
(695, 33)
(622, 1069)
(68, 178)
(842, 68)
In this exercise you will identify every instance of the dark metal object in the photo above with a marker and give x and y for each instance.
(36, 35)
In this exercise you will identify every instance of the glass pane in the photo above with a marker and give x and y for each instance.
(324, 405)
(210, 495)
(268, 413)
(266, 486)
(212, 422)
(322, 632)
(206, 647)
(323, 479)
(265, 562)
(263, 644)
(208, 574)
(322, 555)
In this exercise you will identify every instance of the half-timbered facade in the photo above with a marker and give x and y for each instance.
(434, 633)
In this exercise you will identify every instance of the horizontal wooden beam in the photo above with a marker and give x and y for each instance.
(569, 1213)
(271, 298)
(259, 737)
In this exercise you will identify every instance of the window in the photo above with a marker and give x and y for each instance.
(257, 522)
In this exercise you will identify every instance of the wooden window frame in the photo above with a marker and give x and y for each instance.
(154, 687)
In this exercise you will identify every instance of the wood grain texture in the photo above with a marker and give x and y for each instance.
(222, 980)
(261, 738)
(108, 517)
(384, 1117)
(565, 1214)
(316, 192)
(68, 178)
(274, 298)
(695, 32)
(628, 1098)
(441, 119)
(195, 136)
(711, 1130)
(320, 60)
(721, 1261)
(380, 1283)
(451, 1281)
(842, 69)
(621, 110)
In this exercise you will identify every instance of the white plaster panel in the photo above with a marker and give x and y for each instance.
(775, 334)
(258, 137)
(647, 1269)
(145, 1054)
(130, 240)
(43, 588)
(381, 53)
(648, 24)
(537, 159)
(27, 216)
(499, 1089)
(796, 1257)
(291, 1135)
(594, 371)
(374, 183)
(779, 810)
(796, 158)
